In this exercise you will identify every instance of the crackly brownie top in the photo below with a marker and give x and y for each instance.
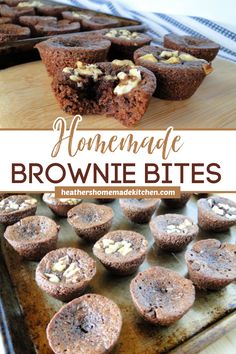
(173, 224)
(222, 208)
(35, 20)
(192, 42)
(212, 258)
(88, 324)
(49, 198)
(125, 35)
(161, 56)
(17, 203)
(124, 79)
(59, 25)
(32, 229)
(75, 42)
(121, 245)
(67, 266)
(161, 292)
(87, 215)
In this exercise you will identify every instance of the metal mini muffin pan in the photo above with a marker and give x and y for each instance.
(25, 310)
(22, 51)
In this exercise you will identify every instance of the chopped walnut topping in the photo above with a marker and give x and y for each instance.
(110, 246)
(124, 62)
(181, 228)
(123, 34)
(30, 4)
(82, 70)
(127, 81)
(149, 57)
(61, 264)
(222, 209)
(9, 205)
(80, 15)
(52, 277)
(64, 269)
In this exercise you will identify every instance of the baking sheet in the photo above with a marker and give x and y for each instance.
(137, 336)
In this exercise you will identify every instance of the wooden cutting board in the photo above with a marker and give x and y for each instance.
(26, 101)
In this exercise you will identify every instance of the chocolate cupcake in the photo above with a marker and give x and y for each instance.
(178, 74)
(98, 23)
(90, 324)
(61, 27)
(105, 88)
(52, 10)
(32, 21)
(90, 221)
(211, 264)
(161, 296)
(177, 203)
(201, 48)
(216, 213)
(65, 273)
(124, 43)
(121, 252)
(15, 12)
(16, 207)
(139, 210)
(58, 53)
(5, 20)
(60, 206)
(33, 236)
(75, 15)
(173, 232)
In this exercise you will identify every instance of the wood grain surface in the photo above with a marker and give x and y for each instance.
(26, 101)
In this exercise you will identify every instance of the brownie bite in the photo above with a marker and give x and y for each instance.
(33, 236)
(75, 15)
(4, 20)
(15, 12)
(32, 21)
(11, 32)
(52, 10)
(60, 52)
(201, 48)
(90, 324)
(121, 251)
(65, 273)
(178, 74)
(216, 213)
(173, 232)
(211, 264)
(4, 195)
(161, 296)
(16, 207)
(90, 221)
(60, 206)
(124, 43)
(12, 2)
(98, 22)
(61, 27)
(177, 203)
(34, 3)
(139, 210)
(122, 92)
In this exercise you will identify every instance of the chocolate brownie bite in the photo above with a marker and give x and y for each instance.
(216, 213)
(65, 273)
(178, 74)
(98, 22)
(124, 43)
(11, 32)
(33, 4)
(60, 52)
(12, 2)
(60, 206)
(162, 296)
(90, 324)
(4, 20)
(90, 221)
(33, 236)
(139, 210)
(60, 27)
(177, 203)
(105, 88)
(173, 232)
(16, 207)
(211, 264)
(52, 10)
(201, 48)
(15, 12)
(32, 21)
(121, 251)
(75, 15)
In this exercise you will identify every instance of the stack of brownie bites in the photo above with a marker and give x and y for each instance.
(90, 322)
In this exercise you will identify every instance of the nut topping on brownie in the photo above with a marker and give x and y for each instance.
(82, 70)
(181, 228)
(127, 81)
(222, 209)
(30, 4)
(125, 62)
(110, 246)
(79, 15)
(10, 205)
(124, 34)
